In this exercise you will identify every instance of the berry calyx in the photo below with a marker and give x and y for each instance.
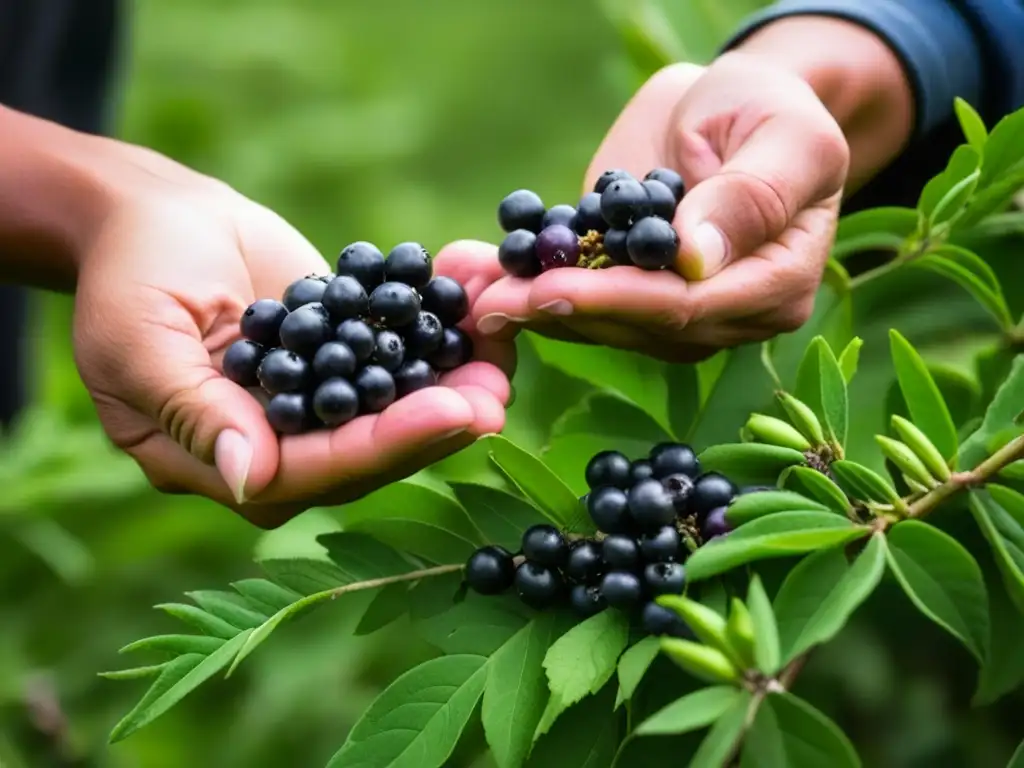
(490, 570)
(546, 545)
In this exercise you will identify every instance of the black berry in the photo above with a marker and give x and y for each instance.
(624, 202)
(409, 263)
(670, 179)
(389, 351)
(620, 552)
(560, 214)
(288, 413)
(606, 178)
(674, 458)
(662, 545)
(608, 468)
(665, 578)
(546, 545)
(376, 389)
(359, 337)
(662, 201)
(456, 349)
(490, 570)
(650, 505)
(584, 564)
(414, 375)
(652, 243)
(557, 246)
(446, 298)
(711, 490)
(615, 246)
(680, 490)
(517, 254)
(640, 469)
(335, 358)
(424, 335)
(521, 209)
(609, 509)
(622, 589)
(305, 329)
(305, 290)
(335, 402)
(658, 620)
(394, 304)
(588, 215)
(715, 524)
(345, 298)
(586, 601)
(241, 361)
(283, 371)
(538, 586)
(364, 262)
(262, 320)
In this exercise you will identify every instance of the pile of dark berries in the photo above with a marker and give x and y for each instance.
(651, 514)
(623, 221)
(340, 345)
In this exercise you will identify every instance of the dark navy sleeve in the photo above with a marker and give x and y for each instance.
(973, 49)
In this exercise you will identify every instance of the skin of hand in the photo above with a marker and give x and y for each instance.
(765, 162)
(165, 263)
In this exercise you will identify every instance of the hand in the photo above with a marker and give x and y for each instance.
(764, 164)
(160, 293)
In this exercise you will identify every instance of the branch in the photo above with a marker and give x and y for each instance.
(384, 581)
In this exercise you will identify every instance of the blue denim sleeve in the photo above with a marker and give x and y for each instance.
(937, 43)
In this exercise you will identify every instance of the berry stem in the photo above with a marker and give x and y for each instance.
(423, 573)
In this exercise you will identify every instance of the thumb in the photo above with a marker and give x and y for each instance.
(783, 166)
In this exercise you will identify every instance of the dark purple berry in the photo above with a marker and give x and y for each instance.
(620, 552)
(658, 620)
(663, 202)
(670, 179)
(456, 349)
(305, 329)
(586, 601)
(424, 336)
(557, 246)
(335, 402)
(537, 585)
(288, 413)
(622, 589)
(261, 321)
(358, 336)
(283, 371)
(608, 468)
(652, 243)
(335, 358)
(615, 246)
(394, 304)
(710, 491)
(305, 290)
(490, 570)
(345, 297)
(673, 459)
(584, 564)
(546, 545)
(560, 214)
(409, 263)
(715, 524)
(376, 389)
(517, 254)
(680, 489)
(640, 469)
(588, 215)
(665, 578)
(609, 509)
(650, 505)
(364, 262)
(606, 178)
(389, 351)
(241, 361)
(624, 202)
(446, 298)
(661, 546)
(521, 209)
(412, 376)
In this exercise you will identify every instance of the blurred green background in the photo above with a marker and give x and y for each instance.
(387, 121)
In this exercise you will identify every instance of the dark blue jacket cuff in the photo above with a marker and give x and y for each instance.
(933, 41)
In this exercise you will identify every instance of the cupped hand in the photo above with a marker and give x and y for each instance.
(159, 298)
(764, 164)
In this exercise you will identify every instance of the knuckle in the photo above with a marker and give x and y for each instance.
(793, 316)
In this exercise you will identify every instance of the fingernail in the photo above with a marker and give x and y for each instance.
(557, 307)
(711, 247)
(491, 324)
(233, 456)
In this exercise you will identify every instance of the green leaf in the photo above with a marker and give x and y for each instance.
(721, 739)
(691, 712)
(584, 737)
(777, 535)
(999, 512)
(610, 416)
(749, 463)
(927, 408)
(948, 191)
(850, 358)
(539, 484)
(820, 383)
(418, 719)
(306, 576)
(477, 625)
(810, 482)
(822, 592)
(633, 665)
(1017, 759)
(942, 580)
(751, 506)
(864, 484)
(646, 35)
(1003, 670)
(683, 383)
(176, 644)
(991, 299)
(388, 605)
(230, 607)
(581, 661)
(501, 517)
(136, 673)
(1004, 149)
(971, 124)
(361, 557)
(874, 229)
(265, 595)
(740, 388)
(516, 692)
(766, 630)
(790, 732)
(199, 619)
(1002, 412)
(179, 678)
